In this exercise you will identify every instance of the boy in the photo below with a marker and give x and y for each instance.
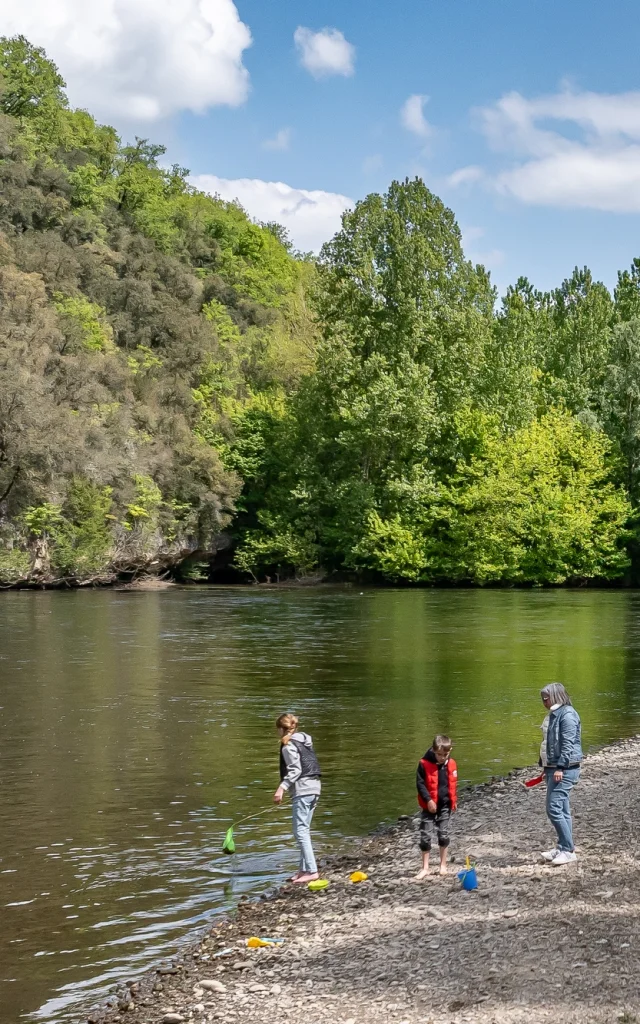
(437, 782)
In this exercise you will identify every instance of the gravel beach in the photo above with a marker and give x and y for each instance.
(533, 943)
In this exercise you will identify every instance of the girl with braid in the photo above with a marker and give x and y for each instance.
(300, 776)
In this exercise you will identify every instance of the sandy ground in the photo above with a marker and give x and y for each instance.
(533, 943)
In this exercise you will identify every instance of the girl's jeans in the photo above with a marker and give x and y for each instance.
(558, 809)
(303, 808)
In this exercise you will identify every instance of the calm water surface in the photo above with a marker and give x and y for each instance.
(135, 727)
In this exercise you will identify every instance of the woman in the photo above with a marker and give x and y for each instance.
(560, 756)
(299, 773)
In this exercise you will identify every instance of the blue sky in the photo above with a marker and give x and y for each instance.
(524, 117)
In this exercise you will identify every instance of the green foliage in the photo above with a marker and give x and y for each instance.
(627, 293)
(138, 318)
(146, 504)
(278, 546)
(90, 190)
(169, 368)
(226, 329)
(14, 565)
(85, 321)
(435, 440)
(394, 282)
(82, 539)
(76, 537)
(31, 82)
(621, 399)
(538, 506)
(43, 520)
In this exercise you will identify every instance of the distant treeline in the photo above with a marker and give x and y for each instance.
(175, 378)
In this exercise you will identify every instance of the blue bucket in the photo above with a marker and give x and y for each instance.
(469, 879)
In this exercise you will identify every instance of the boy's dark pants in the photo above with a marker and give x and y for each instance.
(439, 823)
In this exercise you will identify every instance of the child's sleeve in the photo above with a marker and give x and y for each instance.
(294, 766)
(421, 783)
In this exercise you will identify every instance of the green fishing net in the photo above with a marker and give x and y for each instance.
(229, 846)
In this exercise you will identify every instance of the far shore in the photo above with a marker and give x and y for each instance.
(532, 944)
(147, 584)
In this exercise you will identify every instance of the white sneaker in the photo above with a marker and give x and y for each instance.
(550, 854)
(564, 857)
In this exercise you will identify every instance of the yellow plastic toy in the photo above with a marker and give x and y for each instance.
(255, 943)
(320, 883)
(358, 876)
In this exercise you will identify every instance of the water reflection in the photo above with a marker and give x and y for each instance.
(135, 727)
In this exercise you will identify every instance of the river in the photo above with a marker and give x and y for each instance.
(135, 727)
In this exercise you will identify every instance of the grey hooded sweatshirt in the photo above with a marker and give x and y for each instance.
(292, 781)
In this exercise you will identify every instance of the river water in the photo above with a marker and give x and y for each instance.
(135, 727)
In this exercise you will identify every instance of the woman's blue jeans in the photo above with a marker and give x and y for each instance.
(303, 808)
(558, 809)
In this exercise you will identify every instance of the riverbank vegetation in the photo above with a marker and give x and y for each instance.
(175, 379)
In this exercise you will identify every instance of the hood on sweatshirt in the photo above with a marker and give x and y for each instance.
(303, 737)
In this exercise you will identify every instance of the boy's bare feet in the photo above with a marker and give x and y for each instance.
(294, 878)
(443, 869)
(305, 877)
(422, 873)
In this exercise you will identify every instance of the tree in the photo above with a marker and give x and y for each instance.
(577, 353)
(31, 83)
(405, 321)
(627, 293)
(539, 506)
(394, 282)
(621, 399)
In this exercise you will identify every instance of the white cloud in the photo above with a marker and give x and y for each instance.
(137, 59)
(412, 116)
(311, 217)
(325, 53)
(465, 176)
(571, 149)
(280, 141)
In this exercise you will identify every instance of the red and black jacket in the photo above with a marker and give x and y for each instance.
(437, 782)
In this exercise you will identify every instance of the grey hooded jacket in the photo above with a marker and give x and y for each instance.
(292, 780)
(564, 739)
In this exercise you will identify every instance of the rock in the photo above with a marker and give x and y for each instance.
(434, 912)
(510, 913)
(240, 965)
(199, 1008)
(212, 985)
(173, 1018)
(168, 970)
(276, 990)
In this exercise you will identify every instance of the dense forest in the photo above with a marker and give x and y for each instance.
(177, 382)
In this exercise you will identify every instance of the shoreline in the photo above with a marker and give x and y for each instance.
(144, 585)
(533, 943)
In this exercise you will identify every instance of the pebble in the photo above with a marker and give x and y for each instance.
(434, 912)
(211, 985)
(173, 1018)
